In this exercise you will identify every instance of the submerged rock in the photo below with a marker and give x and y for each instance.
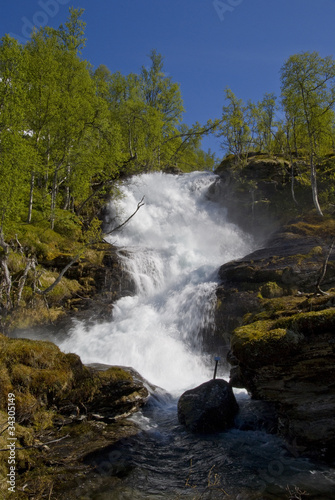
(210, 407)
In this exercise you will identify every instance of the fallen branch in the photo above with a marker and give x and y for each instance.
(60, 276)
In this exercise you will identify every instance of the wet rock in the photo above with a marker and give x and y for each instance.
(210, 407)
(119, 393)
(293, 367)
(281, 330)
(256, 415)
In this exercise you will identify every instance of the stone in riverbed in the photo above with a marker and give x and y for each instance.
(210, 407)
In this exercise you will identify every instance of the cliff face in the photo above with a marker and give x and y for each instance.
(258, 192)
(281, 328)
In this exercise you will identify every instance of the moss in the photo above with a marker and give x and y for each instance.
(34, 353)
(262, 343)
(313, 226)
(94, 256)
(46, 243)
(252, 332)
(27, 317)
(16, 262)
(114, 373)
(5, 385)
(25, 459)
(316, 251)
(271, 290)
(38, 372)
(310, 323)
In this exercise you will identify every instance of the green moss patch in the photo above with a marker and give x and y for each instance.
(261, 343)
(271, 290)
(310, 323)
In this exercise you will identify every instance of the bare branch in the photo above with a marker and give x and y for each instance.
(60, 276)
(139, 205)
(30, 265)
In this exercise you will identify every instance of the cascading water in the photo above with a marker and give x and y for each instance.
(174, 246)
(172, 249)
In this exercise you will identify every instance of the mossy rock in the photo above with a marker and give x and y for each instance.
(310, 323)
(49, 386)
(262, 343)
(271, 290)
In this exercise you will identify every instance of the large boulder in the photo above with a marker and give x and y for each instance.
(210, 407)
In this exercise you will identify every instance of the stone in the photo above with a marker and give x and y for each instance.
(210, 407)
(281, 330)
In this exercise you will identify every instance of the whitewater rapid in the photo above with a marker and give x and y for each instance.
(172, 249)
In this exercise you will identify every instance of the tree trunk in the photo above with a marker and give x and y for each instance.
(314, 186)
(31, 196)
(66, 205)
(6, 282)
(53, 199)
(292, 169)
(30, 265)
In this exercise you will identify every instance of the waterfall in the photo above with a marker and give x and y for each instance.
(172, 249)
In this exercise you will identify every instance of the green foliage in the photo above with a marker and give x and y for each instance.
(67, 133)
(67, 224)
(234, 127)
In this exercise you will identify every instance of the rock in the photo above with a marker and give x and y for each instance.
(173, 170)
(67, 408)
(210, 407)
(293, 367)
(258, 195)
(281, 332)
(271, 277)
(119, 394)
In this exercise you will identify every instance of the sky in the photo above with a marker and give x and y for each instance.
(207, 45)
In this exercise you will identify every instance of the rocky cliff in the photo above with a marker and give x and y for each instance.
(276, 313)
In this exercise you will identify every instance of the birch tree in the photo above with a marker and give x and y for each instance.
(308, 92)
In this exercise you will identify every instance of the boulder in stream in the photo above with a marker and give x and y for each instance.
(210, 407)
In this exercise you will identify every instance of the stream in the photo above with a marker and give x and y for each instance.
(172, 249)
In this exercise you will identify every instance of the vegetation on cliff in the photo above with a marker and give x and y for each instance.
(301, 125)
(276, 312)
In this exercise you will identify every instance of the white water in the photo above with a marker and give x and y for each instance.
(175, 245)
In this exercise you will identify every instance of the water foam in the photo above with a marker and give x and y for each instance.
(175, 244)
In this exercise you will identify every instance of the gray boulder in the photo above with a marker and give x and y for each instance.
(210, 407)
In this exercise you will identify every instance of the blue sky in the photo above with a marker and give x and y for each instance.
(240, 44)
